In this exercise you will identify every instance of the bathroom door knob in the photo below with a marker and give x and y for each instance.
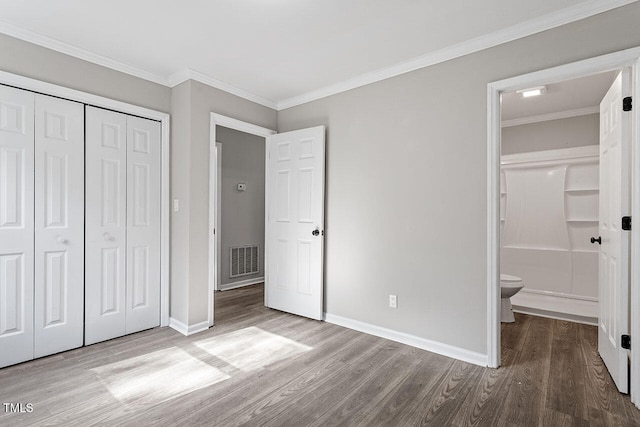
(594, 240)
(316, 232)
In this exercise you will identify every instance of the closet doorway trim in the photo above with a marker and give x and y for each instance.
(38, 86)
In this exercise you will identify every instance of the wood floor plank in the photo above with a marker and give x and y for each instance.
(402, 400)
(525, 401)
(303, 372)
(566, 373)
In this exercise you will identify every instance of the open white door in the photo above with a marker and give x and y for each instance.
(295, 222)
(614, 249)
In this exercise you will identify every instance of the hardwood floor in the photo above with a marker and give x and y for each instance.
(263, 367)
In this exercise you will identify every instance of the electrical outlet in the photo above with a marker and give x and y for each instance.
(393, 301)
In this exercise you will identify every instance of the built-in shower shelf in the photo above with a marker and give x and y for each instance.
(582, 190)
(532, 248)
(585, 251)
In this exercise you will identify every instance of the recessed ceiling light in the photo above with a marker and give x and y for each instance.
(534, 91)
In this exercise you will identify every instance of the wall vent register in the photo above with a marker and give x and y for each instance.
(244, 260)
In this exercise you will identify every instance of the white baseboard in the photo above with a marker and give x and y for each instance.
(412, 340)
(241, 284)
(556, 315)
(187, 330)
(562, 307)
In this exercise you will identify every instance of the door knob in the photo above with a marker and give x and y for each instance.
(594, 240)
(61, 240)
(107, 237)
(316, 232)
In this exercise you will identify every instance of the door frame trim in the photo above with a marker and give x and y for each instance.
(214, 258)
(45, 88)
(614, 61)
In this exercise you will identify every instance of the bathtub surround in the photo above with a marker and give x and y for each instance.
(549, 211)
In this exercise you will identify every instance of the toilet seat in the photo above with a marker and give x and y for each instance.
(507, 278)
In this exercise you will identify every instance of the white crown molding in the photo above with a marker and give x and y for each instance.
(551, 116)
(76, 52)
(412, 340)
(189, 74)
(533, 26)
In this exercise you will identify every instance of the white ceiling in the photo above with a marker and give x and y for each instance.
(584, 93)
(281, 52)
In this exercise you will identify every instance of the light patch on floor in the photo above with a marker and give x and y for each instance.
(158, 376)
(251, 348)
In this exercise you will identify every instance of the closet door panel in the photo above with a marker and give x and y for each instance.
(106, 222)
(59, 225)
(143, 224)
(16, 225)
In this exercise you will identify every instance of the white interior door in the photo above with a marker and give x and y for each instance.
(16, 225)
(614, 248)
(295, 222)
(143, 224)
(106, 221)
(59, 225)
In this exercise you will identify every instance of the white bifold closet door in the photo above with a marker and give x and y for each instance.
(59, 225)
(41, 225)
(16, 225)
(122, 225)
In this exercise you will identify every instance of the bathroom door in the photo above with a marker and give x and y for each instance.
(614, 248)
(295, 222)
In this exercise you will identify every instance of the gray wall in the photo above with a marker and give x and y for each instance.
(29, 60)
(406, 197)
(406, 174)
(190, 184)
(190, 104)
(552, 135)
(242, 216)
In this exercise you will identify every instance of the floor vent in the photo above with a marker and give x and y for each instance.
(244, 260)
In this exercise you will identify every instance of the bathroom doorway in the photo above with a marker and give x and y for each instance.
(549, 196)
(623, 60)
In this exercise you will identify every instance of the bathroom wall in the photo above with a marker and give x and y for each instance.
(549, 211)
(551, 135)
(242, 212)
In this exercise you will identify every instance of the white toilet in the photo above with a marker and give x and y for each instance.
(509, 286)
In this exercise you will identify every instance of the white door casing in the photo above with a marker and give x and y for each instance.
(143, 224)
(16, 224)
(295, 222)
(105, 257)
(614, 249)
(59, 225)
